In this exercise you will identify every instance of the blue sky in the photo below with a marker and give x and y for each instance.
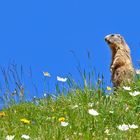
(41, 33)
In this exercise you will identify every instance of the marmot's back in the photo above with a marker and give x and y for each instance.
(121, 66)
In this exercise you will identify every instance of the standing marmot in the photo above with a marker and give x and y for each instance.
(121, 66)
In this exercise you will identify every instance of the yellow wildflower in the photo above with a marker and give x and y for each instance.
(61, 119)
(108, 88)
(25, 121)
(2, 114)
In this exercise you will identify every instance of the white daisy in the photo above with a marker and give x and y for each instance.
(137, 71)
(46, 74)
(123, 127)
(64, 124)
(133, 126)
(93, 112)
(26, 137)
(10, 137)
(135, 93)
(61, 79)
(126, 88)
(111, 112)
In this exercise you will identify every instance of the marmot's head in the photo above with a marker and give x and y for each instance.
(115, 41)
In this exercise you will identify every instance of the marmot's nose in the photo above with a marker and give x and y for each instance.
(106, 39)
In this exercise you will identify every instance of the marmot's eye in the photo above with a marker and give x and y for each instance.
(112, 35)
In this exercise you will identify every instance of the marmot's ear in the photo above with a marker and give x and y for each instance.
(122, 39)
(120, 36)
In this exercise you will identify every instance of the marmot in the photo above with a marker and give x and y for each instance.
(121, 67)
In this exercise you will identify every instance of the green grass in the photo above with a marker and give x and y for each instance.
(44, 116)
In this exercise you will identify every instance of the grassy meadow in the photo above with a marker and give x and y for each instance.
(80, 113)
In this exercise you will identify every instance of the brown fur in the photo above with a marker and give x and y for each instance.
(121, 66)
